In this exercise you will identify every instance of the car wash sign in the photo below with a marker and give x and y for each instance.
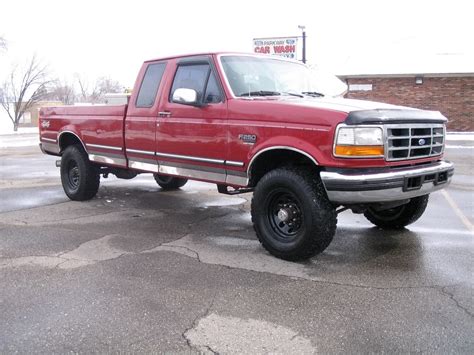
(280, 46)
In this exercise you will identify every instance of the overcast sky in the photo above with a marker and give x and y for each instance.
(112, 38)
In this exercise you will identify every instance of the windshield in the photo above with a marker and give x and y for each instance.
(248, 76)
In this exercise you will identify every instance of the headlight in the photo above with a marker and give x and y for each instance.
(359, 142)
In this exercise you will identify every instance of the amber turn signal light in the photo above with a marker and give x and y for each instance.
(359, 150)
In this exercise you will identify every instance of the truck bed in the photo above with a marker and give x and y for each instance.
(99, 128)
(90, 110)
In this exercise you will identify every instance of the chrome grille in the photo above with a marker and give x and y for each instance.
(413, 141)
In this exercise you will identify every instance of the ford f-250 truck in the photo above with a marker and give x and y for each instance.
(251, 123)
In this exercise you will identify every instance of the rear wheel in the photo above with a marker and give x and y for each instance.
(398, 217)
(292, 217)
(80, 179)
(169, 182)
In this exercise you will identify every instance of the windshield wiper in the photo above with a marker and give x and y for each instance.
(268, 93)
(292, 94)
(313, 93)
(260, 93)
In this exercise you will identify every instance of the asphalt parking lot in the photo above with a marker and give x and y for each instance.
(138, 269)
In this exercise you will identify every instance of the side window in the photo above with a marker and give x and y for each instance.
(191, 77)
(151, 82)
(196, 76)
(213, 93)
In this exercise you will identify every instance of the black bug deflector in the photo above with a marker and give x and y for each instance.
(390, 116)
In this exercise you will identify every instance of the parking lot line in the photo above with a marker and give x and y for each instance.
(412, 228)
(458, 211)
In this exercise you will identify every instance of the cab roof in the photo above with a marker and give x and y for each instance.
(219, 53)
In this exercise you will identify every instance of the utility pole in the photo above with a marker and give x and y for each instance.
(302, 28)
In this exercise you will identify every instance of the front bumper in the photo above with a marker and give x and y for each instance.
(355, 186)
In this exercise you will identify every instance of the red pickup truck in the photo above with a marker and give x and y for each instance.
(252, 123)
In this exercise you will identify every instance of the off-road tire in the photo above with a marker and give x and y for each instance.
(306, 199)
(169, 182)
(79, 177)
(398, 217)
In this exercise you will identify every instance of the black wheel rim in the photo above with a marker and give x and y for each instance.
(73, 175)
(285, 215)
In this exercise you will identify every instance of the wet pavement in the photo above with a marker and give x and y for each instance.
(138, 269)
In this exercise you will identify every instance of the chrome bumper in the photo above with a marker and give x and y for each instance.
(354, 186)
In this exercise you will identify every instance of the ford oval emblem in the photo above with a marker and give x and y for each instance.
(421, 142)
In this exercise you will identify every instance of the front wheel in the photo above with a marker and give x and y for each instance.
(291, 214)
(169, 182)
(80, 179)
(398, 217)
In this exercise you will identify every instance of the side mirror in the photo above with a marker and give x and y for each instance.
(186, 97)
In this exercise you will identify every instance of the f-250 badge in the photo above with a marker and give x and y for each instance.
(248, 138)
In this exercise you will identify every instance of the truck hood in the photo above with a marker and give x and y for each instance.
(342, 105)
(367, 112)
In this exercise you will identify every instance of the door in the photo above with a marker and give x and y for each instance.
(141, 120)
(191, 139)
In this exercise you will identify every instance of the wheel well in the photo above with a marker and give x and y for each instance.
(276, 158)
(67, 139)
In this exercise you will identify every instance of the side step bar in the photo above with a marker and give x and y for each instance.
(224, 189)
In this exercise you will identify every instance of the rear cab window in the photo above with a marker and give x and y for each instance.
(150, 84)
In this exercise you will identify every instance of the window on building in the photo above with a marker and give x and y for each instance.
(360, 87)
(25, 118)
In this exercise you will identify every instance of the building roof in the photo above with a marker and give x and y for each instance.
(437, 65)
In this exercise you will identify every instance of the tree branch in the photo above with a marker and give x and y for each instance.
(22, 95)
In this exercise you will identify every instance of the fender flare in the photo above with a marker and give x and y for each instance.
(279, 147)
(74, 134)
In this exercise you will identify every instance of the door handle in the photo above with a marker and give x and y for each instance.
(164, 114)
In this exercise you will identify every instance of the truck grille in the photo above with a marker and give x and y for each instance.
(413, 141)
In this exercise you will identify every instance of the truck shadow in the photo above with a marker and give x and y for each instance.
(205, 213)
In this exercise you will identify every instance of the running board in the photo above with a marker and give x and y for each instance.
(224, 189)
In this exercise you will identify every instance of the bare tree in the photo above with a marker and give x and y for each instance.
(83, 87)
(95, 93)
(3, 43)
(22, 89)
(62, 91)
(106, 85)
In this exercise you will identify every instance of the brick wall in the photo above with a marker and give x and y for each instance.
(453, 96)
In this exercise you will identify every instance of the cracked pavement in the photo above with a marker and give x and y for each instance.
(138, 269)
